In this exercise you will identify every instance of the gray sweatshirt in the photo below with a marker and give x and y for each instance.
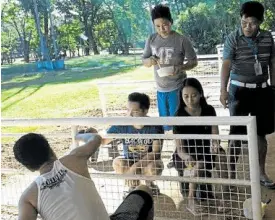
(171, 51)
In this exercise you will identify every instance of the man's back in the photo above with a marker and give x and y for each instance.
(64, 194)
(64, 189)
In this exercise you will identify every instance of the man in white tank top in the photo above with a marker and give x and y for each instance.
(64, 190)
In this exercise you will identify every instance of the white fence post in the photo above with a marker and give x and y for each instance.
(101, 171)
(254, 165)
(220, 52)
(102, 100)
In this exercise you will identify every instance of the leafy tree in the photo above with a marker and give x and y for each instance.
(21, 21)
(205, 35)
(68, 35)
(40, 12)
(86, 11)
(269, 22)
(130, 18)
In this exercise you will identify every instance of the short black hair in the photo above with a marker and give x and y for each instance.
(32, 150)
(141, 98)
(253, 9)
(161, 11)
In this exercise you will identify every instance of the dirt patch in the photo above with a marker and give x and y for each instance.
(59, 145)
(9, 212)
(62, 145)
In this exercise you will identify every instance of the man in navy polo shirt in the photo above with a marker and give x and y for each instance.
(249, 61)
(140, 156)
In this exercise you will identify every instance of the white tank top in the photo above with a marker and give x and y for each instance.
(66, 195)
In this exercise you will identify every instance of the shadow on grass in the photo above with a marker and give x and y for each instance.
(18, 68)
(22, 98)
(16, 93)
(68, 76)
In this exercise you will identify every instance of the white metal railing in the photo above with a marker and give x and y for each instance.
(237, 120)
(251, 137)
(112, 92)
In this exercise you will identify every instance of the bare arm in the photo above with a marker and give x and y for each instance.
(149, 157)
(225, 72)
(190, 56)
(187, 66)
(92, 142)
(151, 61)
(106, 141)
(92, 130)
(148, 59)
(27, 210)
(215, 143)
(215, 129)
(180, 150)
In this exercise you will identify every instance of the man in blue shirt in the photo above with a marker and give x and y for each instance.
(249, 61)
(140, 156)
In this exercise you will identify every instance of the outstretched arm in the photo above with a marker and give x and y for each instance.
(92, 142)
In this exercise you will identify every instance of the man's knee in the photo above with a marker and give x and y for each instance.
(154, 168)
(121, 165)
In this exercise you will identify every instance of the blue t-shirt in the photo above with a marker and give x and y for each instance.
(134, 147)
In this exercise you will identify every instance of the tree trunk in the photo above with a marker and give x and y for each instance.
(46, 27)
(26, 51)
(42, 53)
(26, 46)
(92, 42)
(93, 45)
(126, 48)
(78, 53)
(87, 49)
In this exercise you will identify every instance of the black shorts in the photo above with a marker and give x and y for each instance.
(257, 102)
(138, 205)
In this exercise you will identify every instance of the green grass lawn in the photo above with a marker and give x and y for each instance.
(68, 93)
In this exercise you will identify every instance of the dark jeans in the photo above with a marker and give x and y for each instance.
(138, 205)
(257, 102)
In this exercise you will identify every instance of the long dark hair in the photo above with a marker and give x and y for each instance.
(192, 82)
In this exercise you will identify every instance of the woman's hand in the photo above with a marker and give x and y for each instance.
(189, 160)
(214, 147)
